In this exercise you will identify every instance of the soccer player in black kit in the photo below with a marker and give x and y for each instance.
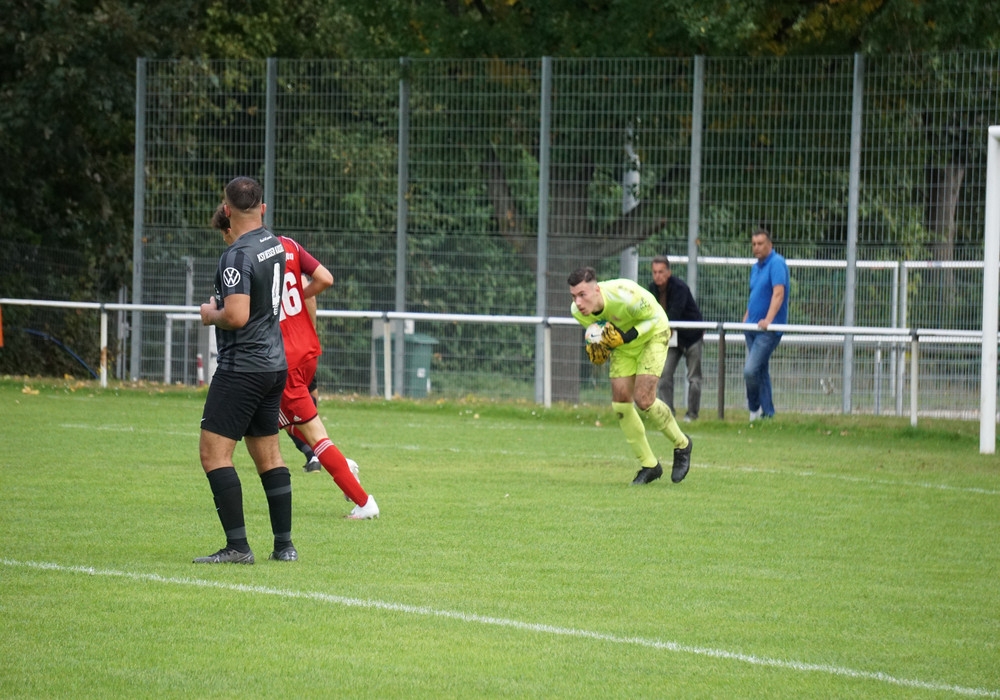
(245, 392)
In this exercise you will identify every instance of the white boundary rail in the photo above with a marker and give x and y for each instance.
(726, 332)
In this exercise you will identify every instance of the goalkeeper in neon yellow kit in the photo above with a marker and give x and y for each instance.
(635, 339)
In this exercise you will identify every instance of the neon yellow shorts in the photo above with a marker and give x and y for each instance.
(640, 358)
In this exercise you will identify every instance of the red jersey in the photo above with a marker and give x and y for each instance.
(301, 341)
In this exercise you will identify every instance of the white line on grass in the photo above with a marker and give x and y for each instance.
(85, 426)
(518, 625)
(723, 467)
(126, 429)
(855, 479)
(516, 453)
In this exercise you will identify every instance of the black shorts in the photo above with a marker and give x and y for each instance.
(243, 404)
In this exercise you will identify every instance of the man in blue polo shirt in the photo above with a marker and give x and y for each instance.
(768, 303)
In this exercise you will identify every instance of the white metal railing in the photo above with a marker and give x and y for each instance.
(717, 332)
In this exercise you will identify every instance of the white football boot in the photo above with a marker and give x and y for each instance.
(366, 512)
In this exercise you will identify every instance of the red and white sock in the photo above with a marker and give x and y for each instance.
(336, 464)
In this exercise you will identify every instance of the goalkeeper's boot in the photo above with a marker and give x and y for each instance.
(366, 512)
(647, 474)
(682, 462)
(285, 554)
(227, 556)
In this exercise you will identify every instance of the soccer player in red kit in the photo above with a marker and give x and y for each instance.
(298, 414)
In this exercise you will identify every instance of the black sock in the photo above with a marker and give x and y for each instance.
(228, 494)
(277, 485)
(303, 447)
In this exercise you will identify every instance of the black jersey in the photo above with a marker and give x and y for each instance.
(254, 265)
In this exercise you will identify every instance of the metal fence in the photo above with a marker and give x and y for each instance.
(476, 186)
(898, 371)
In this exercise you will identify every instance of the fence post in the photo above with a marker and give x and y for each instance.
(543, 334)
(901, 364)
(138, 214)
(402, 221)
(270, 148)
(914, 372)
(694, 180)
(387, 355)
(894, 323)
(878, 379)
(722, 372)
(853, 197)
(168, 344)
(104, 347)
(547, 364)
(122, 333)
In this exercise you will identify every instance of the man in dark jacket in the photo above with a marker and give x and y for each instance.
(676, 299)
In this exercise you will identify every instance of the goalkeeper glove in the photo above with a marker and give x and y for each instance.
(598, 353)
(612, 337)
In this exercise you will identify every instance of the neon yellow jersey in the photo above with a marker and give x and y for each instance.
(627, 305)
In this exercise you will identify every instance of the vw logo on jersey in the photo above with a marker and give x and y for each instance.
(231, 276)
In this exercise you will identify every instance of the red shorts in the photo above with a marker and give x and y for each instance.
(297, 405)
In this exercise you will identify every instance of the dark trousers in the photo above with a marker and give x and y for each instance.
(665, 388)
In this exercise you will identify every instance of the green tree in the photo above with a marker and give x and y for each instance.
(67, 124)
(67, 106)
(67, 97)
(613, 28)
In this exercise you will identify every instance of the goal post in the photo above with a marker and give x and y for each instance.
(991, 291)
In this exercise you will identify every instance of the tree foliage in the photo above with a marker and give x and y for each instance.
(67, 107)
(67, 100)
(67, 126)
(580, 28)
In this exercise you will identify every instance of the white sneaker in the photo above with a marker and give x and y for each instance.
(756, 414)
(353, 466)
(366, 512)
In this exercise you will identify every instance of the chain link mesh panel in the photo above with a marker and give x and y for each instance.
(776, 150)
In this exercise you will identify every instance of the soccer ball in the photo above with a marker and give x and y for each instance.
(594, 333)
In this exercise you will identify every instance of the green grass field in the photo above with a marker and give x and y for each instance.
(804, 557)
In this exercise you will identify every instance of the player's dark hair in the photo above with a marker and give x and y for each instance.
(220, 220)
(582, 274)
(762, 232)
(244, 193)
(662, 259)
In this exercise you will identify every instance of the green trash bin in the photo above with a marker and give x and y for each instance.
(418, 349)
